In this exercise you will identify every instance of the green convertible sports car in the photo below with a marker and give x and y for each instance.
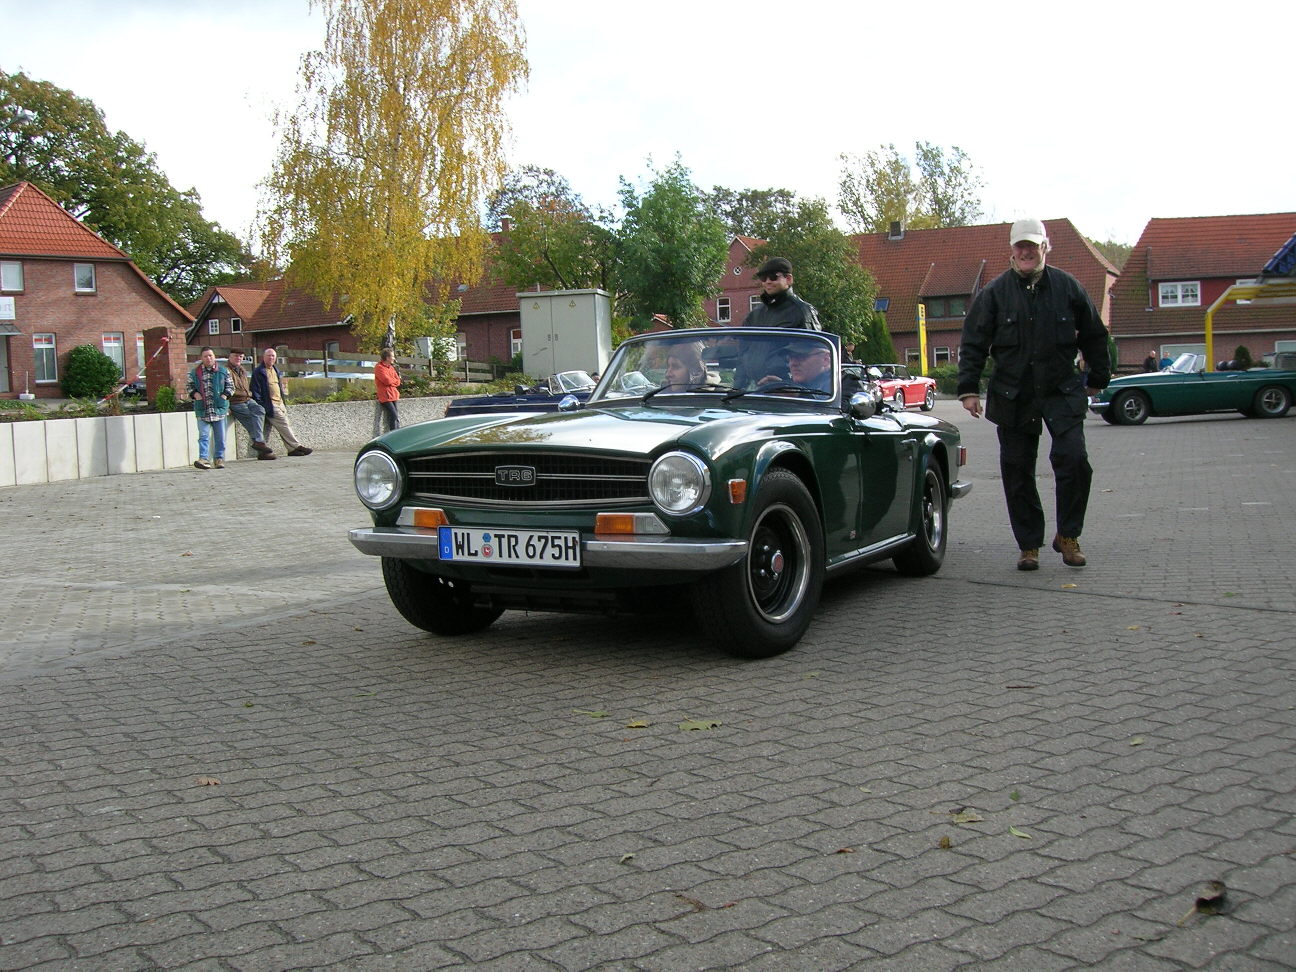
(1187, 388)
(737, 480)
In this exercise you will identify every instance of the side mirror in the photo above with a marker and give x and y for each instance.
(862, 405)
(569, 403)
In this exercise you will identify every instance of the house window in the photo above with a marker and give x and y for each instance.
(946, 306)
(213, 326)
(942, 356)
(139, 353)
(11, 276)
(83, 278)
(911, 357)
(1245, 282)
(723, 313)
(114, 346)
(461, 346)
(236, 325)
(45, 353)
(753, 302)
(1184, 293)
(515, 342)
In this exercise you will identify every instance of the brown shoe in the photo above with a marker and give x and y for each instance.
(1029, 560)
(219, 464)
(300, 451)
(1069, 548)
(267, 455)
(201, 464)
(261, 447)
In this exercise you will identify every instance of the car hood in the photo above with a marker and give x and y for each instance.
(630, 430)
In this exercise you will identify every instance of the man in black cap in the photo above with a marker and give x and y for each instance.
(779, 307)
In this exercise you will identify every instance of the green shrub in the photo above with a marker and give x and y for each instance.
(167, 401)
(16, 411)
(90, 373)
(353, 392)
(946, 377)
(1242, 355)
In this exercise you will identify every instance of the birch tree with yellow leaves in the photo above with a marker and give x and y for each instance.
(398, 138)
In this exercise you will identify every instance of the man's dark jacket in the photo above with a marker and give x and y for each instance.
(1033, 331)
(784, 309)
(260, 387)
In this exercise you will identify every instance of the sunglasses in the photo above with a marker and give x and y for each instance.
(770, 276)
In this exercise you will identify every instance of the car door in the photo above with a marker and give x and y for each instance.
(887, 450)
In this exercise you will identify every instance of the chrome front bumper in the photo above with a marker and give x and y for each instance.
(656, 553)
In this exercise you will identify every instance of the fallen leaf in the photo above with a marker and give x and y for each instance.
(206, 781)
(1136, 741)
(944, 843)
(187, 553)
(689, 725)
(1014, 795)
(1068, 587)
(844, 850)
(965, 816)
(1020, 833)
(308, 642)
(592, 713)
(637, 724)
(626, 858)
(1135, 627)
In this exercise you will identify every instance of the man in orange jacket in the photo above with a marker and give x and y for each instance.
(387, 379)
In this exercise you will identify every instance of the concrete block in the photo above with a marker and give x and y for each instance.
(31, 464)
(7, 455)
(60, 449)
(148, 442)
(92, 447)
(120, 432)
(179, 438)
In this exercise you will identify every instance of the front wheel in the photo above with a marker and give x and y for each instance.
(1271, 401)
(1131, 408)
(929, 402)
(762, 605)
(926, 552)
(434, 603)
(899, 400)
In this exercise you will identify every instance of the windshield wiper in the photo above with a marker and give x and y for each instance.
(707, 386)
(777, 387)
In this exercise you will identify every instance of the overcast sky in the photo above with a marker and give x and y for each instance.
(1107, 113)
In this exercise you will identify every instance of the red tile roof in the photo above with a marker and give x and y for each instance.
(960, 260)
(1213, 246)
(34, 225)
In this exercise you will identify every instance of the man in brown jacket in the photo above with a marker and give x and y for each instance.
(245, 408)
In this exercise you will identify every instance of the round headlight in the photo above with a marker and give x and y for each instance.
(679, 483)
(377, 480)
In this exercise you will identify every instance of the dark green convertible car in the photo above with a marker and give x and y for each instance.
(1187, 388)
(747, 471)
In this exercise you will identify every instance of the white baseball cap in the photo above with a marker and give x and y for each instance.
(1028, 230)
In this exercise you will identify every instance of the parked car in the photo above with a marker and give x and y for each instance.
(904, 389)
(1187, 388)
(134, 389)
(738, 499)
(541, 397)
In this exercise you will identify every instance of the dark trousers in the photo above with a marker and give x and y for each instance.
(1072, 474)
(390, 418)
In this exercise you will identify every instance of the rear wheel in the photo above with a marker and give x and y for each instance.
(434, 603)
(762, 605)
(1271, 401)
(929, 402)
(926, 552)
(899, 400)
(1131, 408)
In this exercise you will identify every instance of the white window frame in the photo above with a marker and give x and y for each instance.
(113, 344)
(80, 283)
(515, 342)
(139, 353)
(11, 276)
(942, 355)
(213, 325)
(724, 312)
(236, 325)
(753, 302)
(1179, 293)
(911, 356)
(45, 346)
(461, 346)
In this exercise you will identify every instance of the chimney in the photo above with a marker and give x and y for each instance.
(897, 231)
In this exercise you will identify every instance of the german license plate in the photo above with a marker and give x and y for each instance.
(557, 548)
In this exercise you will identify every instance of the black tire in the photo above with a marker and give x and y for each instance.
(762, 605)
(1271, 401)
(1108, 415)
(929, 401)
(1130, 408)
(926, 552)
(434, 603)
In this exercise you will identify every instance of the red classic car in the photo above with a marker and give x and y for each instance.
(905, 390)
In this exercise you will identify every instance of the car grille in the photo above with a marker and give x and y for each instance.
(560, 479)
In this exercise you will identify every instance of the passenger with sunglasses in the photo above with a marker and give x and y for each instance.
(779, 307)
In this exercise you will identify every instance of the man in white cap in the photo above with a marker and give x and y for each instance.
(1033, 319)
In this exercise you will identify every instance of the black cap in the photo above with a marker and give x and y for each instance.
(804, 346)
(772, 266)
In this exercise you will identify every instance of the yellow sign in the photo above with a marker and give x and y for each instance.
(922, 338)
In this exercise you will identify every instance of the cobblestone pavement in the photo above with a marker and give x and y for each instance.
(222, 749)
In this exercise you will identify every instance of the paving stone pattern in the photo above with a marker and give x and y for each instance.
(222, 750)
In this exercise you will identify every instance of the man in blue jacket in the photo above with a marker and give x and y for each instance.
(269, 390)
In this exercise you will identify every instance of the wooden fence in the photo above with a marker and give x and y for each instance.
(295, 362)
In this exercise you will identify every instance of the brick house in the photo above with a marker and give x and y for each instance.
(1178, 269)
(944, 270)
(61, 286)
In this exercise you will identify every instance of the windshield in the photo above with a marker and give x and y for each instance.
(725, 363)
(1188, 363)
(570, 381)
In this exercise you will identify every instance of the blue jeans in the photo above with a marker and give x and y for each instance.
(251, 416)
(206, 432)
